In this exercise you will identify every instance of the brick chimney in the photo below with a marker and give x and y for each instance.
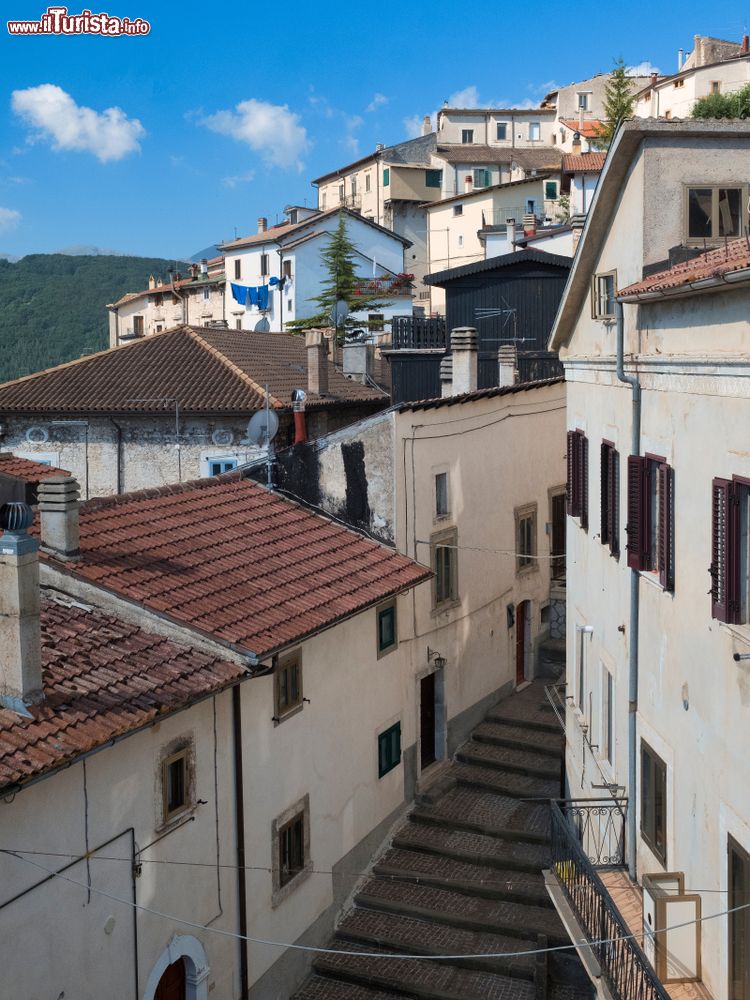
(262, 224)
(58, 503)
(465, 359)
(529, 224)
(446, 376)
(317, 362)
(20, 630)
(745, 47)
(426, 125)
(507, 359)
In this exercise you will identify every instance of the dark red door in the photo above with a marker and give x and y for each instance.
(172, 983)
(427, 720)
(522, 618)
(558, 536)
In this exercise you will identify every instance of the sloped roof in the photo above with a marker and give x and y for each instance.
(732, 259)
(526, 256)
(478, 394)
(411, 151)
(583, 163)
(232, 560)
(166, 289)
(206, 370)
(278, 234)
(589, 129)
(102, 678)
(24, 468)
(478, 192)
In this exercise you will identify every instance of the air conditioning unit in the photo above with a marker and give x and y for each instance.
(671, 927)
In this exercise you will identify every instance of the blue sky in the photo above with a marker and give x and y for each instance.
(163, 144)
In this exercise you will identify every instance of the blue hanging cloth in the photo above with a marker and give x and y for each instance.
(274, 281)
(262, 296)
(239, 293)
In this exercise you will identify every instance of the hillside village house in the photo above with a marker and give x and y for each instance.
(175, 406)
(178, 711)
(580, 109)
(197, 300)
(655, 345)
(275, 275)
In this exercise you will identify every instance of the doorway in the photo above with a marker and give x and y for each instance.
(427, 718)
(738, 882)
(172, 983)
(557, 544)
(523, 642)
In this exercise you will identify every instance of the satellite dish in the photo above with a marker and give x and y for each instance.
(262, 428)
(262, 326)
(339, 313)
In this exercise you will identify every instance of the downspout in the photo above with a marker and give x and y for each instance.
(239, 813)
(635, 449)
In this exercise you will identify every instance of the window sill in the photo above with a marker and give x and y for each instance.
(388, 649)
(652, 579)
(279, 719)
(283, 892)
(439, 609)
(177, 819)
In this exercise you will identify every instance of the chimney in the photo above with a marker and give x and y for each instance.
(510, 234)
(298, 407)
(680, 55)
(20, 632)
(468, 183)
(575, 146)
(465, 355)
(507, 360)
(577, 222)
(745, 47)
(426, 125)
(151, 281)
(317, 363)
(446, 375)
(580, 119)
(379, 147)
(654, 78)
(58, 503)
(262, 224)
(529, 224)
(204, 266)
(359, 361)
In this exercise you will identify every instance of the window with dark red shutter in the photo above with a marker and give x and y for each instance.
(570, 490)
(725, 550)
(637, 527)
(583, 478)
(610, 497)
(665, 532)
(578, 476)
(650, 528)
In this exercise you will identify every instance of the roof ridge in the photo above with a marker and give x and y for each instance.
(168, 489)
(235, 369)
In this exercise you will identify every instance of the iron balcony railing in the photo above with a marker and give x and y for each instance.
(417, 333)
(536, 365)
(587, 834)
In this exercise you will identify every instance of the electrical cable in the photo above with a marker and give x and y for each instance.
(366, 954)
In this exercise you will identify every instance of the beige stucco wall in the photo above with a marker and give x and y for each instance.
(485, 124)
(193, 309)
(667, 100)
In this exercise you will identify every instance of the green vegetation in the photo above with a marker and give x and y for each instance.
(736, 105)
(619, 101)
(53, 306)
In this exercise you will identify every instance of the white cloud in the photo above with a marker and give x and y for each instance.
(269, 129)
(232, 182)
(466, 98)
(413, 126)
(643, 69)
(108, 134)
(377, 101)
(9, 219)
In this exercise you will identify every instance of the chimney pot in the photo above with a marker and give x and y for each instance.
(446, 375)
(20, 631)
(654, 78)
(426, 125)
(317, 362)
(507, 362)
(151, 281)
(262, 224)
(58, 504)
(465, 359)
(529, 224)
(745, 47)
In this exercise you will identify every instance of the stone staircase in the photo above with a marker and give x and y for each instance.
(463, 876)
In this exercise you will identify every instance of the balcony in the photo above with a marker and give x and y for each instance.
(417, 333)
(353, 201)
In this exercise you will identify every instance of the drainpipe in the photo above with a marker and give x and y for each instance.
(635, 449)
(239, 800)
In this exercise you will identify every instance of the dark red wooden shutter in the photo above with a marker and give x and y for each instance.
(606, 514)
(725, 554)
(637, 529)
(613, 504)
(570, 487)
(666, 527)
(583, 479)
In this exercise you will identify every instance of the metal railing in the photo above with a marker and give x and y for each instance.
(624, 966)
(536, 365)
(555, 694)
(418, 333)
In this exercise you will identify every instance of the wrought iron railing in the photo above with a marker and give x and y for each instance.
(418, 333)
(534, 366)
(624, 966)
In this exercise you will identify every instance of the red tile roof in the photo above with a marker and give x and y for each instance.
(24, 468)
(236, 562)
(207, 370)
(583, 163)
(735, 256)
(589, 129)
(103, 678)
(202, 281)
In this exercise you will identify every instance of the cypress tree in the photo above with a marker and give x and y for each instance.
(619, 101)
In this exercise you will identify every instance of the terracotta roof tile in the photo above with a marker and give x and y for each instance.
(102, 679)
(589, 129)
(232, 560)
(207, 370)
(24, 468)
(735, 256)
(583, 163)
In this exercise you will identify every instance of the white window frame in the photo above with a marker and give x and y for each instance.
(602, 305)
(535, 127)
(607, 711)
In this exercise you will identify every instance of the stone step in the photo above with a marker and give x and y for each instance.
(445, 906)
(421, 979)
(505, 734)
(485, 811)
(476, 848)
(530, 715)
(508, 759)
(481, 881)
(521, 786)
(324, 988)
(563, 991)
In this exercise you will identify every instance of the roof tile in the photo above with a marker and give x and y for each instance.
(735, 256)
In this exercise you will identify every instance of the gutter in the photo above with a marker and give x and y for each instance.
(635, 449)
(239, 804)
(712, 283)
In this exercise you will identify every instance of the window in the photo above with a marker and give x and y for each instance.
(525, 538)
(354, 187)
(386, 177)
(159, 327)
(738, 883)
(578, 477)
(218, 465)
(650, 528)
(433, 178)
(442, 506)
(263, 265)
(535, 131)
(714, 87)
(550, 190)
(238, 324)
(445, 568)
(292, 863)
(467, 136)
(342, 192)
(715, 212)
(482, 177)
(176, 776)
(502, 131)
(654, 801)
(584, 102)
(606, 741)
(730, 566)
(289, 304)
(237, 269)
(582, 636)
(679, 83)
(206, 294)
(286, 270)
(458, 210)
(159, 299)
(389, 750)
(387, 634)
(287, 685)
(603, 290)
(368, 182)
(610, 497)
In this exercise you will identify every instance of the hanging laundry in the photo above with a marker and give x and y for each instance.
(240, 293)
(275, 281)
(252, 295)
(262, 296)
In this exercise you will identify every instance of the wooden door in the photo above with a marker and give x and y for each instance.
(523, 641)
(558, 536)
(172, 983)
(427, 720)
(739, 922)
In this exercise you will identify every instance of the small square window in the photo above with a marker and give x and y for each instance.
(387, 635)
(218, 465)
(715, 87)
(526, 538)
(467, 136)
(206, 294)
(389, 749)
(603, 290)
(458, 209)
(502, 131)
(550, 190)
(288, 686)
(238, 324)
(482, 177)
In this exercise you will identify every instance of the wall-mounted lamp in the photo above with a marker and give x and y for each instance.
(436, 658)
(586, 629)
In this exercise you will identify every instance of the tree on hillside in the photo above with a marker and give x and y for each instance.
(619, 101)
(736, 105)
(341, 284)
